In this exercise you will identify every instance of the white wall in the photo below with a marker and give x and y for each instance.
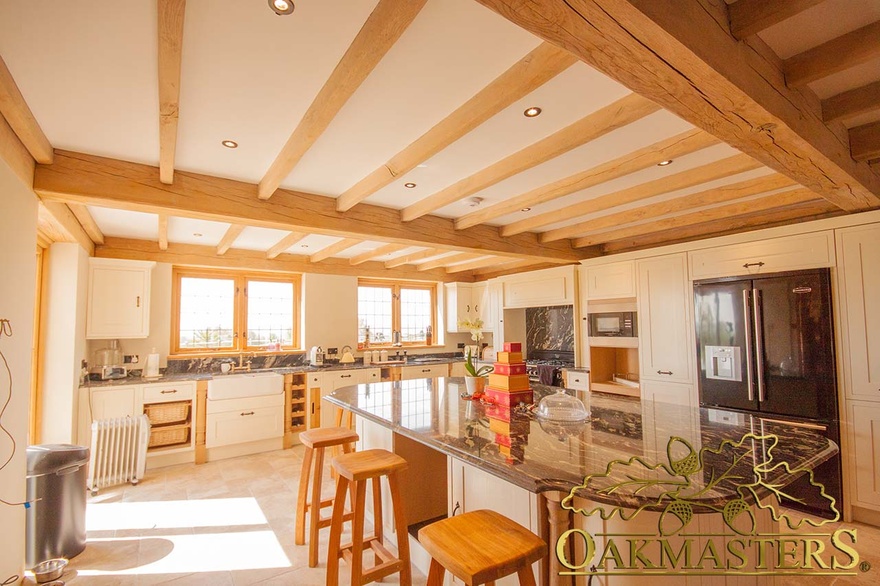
(18, 237)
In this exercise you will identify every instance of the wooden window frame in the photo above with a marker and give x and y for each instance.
(239, 319)
(395, 286)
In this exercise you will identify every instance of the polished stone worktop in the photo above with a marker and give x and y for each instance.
(541, 455)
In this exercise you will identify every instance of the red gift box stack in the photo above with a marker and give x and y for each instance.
(509, 384)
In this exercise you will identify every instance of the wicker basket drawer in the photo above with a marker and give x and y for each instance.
(169, 436)
(168, 413)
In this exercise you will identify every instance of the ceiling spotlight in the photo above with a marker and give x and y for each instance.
(532, 112)
(526, 210)
(281, 7)
(198, 234)
(409, 185)
(664, 163)
(230, 144)
(304, 245)
(475, 201)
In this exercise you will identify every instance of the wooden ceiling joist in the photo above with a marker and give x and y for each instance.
(415, 257)
(681, 180)
(233, 232)
(852, 103)
(528, 74)
(449, 260)
(87, 222)
(20, 118)
(118, 184)
(778, 200)
(511, 266)
(717, 195)
(676, 146)
(480, 263)
(836, 55)
(865, 141)
(284, 244)
(680, 54)
(389, 19)
(171, 14)
(373, 254)
(749, 17)
(65, 226)
(163, 231)
(16, 155)
(334, 249)
(622, 112)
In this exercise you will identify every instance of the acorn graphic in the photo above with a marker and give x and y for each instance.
(675, 517)
(686, 465)
(734, 518)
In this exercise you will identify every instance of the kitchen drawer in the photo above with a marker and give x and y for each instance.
(160, 392)
(246, 404)
(579, 381)
(423, 371)
(314, 380)
(244, 425)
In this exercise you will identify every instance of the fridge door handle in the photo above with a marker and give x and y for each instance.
(748, 357)
(757, 309)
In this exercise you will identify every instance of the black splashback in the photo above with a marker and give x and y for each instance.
(550, 328)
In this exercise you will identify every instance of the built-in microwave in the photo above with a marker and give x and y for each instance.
(620, 324)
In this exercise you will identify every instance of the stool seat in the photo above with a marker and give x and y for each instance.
(357, 466)
(325, 437)
(482, 546)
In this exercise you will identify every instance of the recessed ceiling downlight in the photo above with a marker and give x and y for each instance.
(409, 185)
(532, 112)
(281, 7)
(526, 210)
(230, 144)
(664, 163)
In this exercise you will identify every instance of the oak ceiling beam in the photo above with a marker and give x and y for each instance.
(415, 257)
(622, 112)
(717, 195)
(284, 244)
(66, 224)
(334, 249)
(171, 14)
(749, 17)
(385, 25)
(21, 119)
(510, 269)
(681, 180)
(836, 55)
(373, 254)
(778, 200)
(865, 141)
(680, 54)
(163, 231)
(233, 232)
(517, 264)
(204, 256)
(480, 263)
(85, 219)
(852, 103)
(448, 260)
(122, 185)
(529, 73)
(16, 155)
(670, 148)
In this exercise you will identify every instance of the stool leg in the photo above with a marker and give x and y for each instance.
(378, 523)
(526, 577)
(401, 527)
(357, 534)
(315, 507)
(435, 574)
(302, 497)
(336, 532)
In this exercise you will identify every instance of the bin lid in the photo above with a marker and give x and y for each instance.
(48, 458)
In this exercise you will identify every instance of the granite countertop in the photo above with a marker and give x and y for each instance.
(633, 450)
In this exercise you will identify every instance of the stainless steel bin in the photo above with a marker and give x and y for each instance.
(56, 489)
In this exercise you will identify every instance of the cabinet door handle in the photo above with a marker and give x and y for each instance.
(167, 392)
(468, 310)
(344, 376)
(669, 372)
(753, 264)
(138, 301)
(247, 413)
(456, 508)
(426, 370)
(476, 308)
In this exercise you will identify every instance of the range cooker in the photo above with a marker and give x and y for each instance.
(545, 366)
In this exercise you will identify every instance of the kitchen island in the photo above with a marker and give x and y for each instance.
(639, 456)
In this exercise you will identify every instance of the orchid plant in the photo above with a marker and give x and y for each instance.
(474, 326)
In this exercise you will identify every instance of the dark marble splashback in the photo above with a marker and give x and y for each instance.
(212, 364)
(550, 328)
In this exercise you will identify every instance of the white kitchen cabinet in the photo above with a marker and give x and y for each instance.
(108, 402)
(459, 306)
(540, 288)
(789, 253)
(494, 320)
(118, 302)
(483, 306)
(237, 421)
(859, 302)
(423, 371)
(668, 392)
(616, 280)
(865, 425)
(457, 369)
(335, 379)
(665, 349)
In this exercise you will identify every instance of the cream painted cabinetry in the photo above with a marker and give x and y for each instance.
(118, 301)
(459, 305)
(484, 308)
(865, 423)
(423, 371)
(665, 348)
(111, 402)
(539, 288)
(238, 421)
(335, 379)
(614, 280)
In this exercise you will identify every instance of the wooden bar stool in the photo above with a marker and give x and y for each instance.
(480, 547)
(315, 441)
(357, 468)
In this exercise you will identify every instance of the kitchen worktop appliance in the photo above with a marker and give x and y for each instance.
(316, 356)
(108, 363)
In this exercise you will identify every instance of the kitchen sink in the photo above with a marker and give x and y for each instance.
(427, 360)
(249, 384)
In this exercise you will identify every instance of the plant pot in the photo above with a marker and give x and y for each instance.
(475, 385)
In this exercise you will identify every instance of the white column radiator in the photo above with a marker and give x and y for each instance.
(119, 451)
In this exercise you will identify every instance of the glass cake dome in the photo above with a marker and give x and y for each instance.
(561, 406)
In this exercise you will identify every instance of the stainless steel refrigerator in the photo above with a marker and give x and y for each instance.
(765, 346)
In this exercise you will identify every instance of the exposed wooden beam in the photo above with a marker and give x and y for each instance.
(779, 200)
(680, 54)
(670, 148)
(21, 119)
(381, 251)
(284, 244)
(703, 198)
(510, 269)
(233, 232)
(381, 30)
(528, 74)
(852, 103)
(622, 112)
(123, 185)
(163, 231)
(16, 155)
(836, 55)
(865, 141)
(66, 224)
(204, 256)
(749, 17)
(750, 221)
(448, 260)
(334, 249)
(87, 222)
(517, 264)
(415, 257)
(171, 14)
(480, 263)
(682, 180)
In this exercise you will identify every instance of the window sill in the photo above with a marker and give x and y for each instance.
(401, 348)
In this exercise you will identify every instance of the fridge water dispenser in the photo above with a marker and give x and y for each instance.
(724, 363)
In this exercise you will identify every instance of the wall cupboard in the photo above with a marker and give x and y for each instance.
(865, 420)
(118, 301)
(540, 288)
(614, 280)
